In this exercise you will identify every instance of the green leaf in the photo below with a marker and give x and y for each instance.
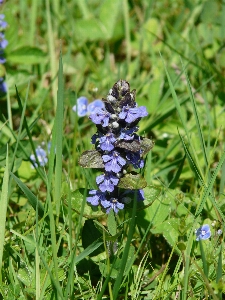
(95, 245)
(132, 182)
(91, 159)
(111, 222)
(108, 16)
(26, 55)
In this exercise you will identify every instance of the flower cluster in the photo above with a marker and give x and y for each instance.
(41, 157)
(3, 44)
(83, 108)
(118, 147)
(203, 233)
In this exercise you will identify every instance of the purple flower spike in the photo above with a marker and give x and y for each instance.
(112, 204)
(93, 105)
(132, 114)
(81, 107)
(113, 162)
(100, 116)
(203, 233)
(107, 182)
(96, 198)
(107, 141)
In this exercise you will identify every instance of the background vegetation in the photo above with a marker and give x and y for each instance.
(55, 245)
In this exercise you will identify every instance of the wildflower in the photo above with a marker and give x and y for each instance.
(107, 182)
(106, 143)
(118, 145)
(203, 233)
(83, 108)
(94, 104)
(113, 203)
(96, 198)
(41, 156)
(113, 162)
(100, 116)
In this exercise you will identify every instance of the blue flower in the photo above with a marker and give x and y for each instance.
(114, 204)
(41, 156)
(203, 233)
(134, 158)
(107, 182)
(100, 116)
(96, 198)
(113, 162)
(81, 107)
(106, 142)
(94, 104)
(128, 134)
(132, 114)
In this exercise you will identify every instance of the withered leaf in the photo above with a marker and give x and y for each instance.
(91, 159)
(133, 146)
(146, 145)
(132, 182)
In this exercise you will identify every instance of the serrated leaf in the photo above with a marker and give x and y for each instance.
(132, 182)
(91, 159)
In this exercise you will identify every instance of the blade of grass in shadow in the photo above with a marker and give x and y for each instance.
(173, 182)
(69, 286)
(59, 129)
(119, 278)
(197, 121)
(208, 188)
(52, 56)
(3, 211)
(219, 271)
(205, 265)
(34, 202)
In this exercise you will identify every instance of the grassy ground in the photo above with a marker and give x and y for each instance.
(53, 245)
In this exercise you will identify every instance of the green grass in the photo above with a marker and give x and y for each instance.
(53, 245)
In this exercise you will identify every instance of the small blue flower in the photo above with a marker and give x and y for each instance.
(128, 134)
(219, 231)
(132, 114)
(203, 233)
(94, 104)
(41, 156)
(106, 143)
(134, 159)
(114, 204)
(81, 107)
(100, 116)
(107, 182)
(96, 198)
(113, 162)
